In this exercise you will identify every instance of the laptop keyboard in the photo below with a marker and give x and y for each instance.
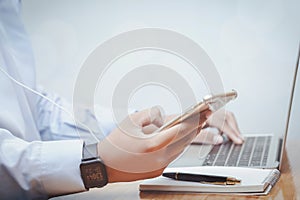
(253, 152)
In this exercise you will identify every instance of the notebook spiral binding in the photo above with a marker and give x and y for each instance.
(273, 177)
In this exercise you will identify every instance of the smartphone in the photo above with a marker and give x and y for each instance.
(209, 103)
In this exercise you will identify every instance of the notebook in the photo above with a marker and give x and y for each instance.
(254, 181)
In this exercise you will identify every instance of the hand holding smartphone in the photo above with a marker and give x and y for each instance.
(209, 104)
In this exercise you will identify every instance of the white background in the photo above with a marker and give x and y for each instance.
(252, 43)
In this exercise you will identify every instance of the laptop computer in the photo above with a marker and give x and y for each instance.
(258, 150)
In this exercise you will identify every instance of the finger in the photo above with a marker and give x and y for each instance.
(170, 117)
(230, 121)
(163, 138)
(177, 146)
(197, 120)
(149, 129)
(192, 126)
(208, 136)
(223, 120)
(157, 116)
(171, 135)
(186, 133)
(229, 131)
(187, 128)
(149, 116)
(233, 122)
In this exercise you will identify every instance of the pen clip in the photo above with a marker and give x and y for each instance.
(221, 183)
(213, 183)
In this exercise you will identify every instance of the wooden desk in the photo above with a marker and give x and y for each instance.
(288, 186)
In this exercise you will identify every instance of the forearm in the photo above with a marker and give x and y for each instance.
(55, 123)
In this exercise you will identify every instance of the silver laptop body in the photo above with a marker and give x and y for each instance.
(258, 150)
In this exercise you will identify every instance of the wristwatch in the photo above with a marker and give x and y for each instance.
(92, 168)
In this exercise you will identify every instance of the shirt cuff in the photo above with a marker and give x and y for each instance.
(60, 162)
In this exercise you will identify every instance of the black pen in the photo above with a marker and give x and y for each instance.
(201, 178)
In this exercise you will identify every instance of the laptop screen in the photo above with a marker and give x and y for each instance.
(294, 126)
(291, 126)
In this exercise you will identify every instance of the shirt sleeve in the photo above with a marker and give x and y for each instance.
(57, 124)
(39, 170)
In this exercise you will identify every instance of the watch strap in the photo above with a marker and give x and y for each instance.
(93, 170)
(89, 152)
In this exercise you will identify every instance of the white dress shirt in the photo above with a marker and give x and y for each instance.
(40, 149)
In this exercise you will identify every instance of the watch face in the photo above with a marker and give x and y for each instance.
(93, 173)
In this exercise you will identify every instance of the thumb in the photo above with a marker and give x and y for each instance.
(149, 116)
(208, 136)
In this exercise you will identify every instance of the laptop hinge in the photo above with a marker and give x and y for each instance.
(279, 149)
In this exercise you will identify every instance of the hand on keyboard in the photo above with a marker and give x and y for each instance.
(224, 121)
